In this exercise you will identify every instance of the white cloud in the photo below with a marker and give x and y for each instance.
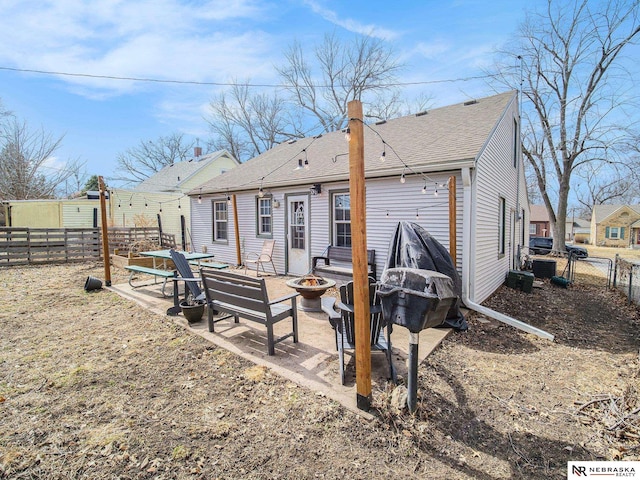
(165, 39)
(351, 24)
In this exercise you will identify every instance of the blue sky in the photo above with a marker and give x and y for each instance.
(213, 41)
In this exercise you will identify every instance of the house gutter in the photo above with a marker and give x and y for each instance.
(466, 268)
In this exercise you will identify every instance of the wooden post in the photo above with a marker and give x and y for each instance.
(453, 244)
(105, 233)
(236, 229)
(359, 255)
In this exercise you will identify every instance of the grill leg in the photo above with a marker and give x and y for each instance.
(412, 387)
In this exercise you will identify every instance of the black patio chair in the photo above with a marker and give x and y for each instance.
(343, 322)
(191, 282)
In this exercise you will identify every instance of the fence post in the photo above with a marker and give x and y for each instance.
(615, 272)
(630, 284)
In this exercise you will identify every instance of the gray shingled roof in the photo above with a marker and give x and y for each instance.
(603, 211)
(172, 176)
(443, 138)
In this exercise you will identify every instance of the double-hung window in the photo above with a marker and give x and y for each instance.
(220, 221)
(341, 220)
(265, 216)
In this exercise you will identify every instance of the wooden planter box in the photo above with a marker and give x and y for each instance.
(123, 259)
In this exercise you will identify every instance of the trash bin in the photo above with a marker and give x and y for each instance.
(543, 268)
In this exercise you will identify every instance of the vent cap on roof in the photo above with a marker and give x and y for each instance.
(419, 114)
(470, 102)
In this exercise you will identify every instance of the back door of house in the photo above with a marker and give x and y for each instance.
(298, 234)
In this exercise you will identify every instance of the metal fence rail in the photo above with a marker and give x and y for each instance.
(23, 246)
(626, 279)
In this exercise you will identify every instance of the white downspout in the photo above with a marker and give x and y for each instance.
(466, 267)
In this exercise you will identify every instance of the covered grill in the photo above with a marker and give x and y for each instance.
(420, 288)
(413, 248)
(416, 299)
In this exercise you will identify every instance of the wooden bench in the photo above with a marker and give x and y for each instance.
(166, 274)
(246, 297)
(337, 263)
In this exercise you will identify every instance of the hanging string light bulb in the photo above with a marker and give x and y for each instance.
(228, 199)
(200, 196)
(424, 189)
(417, 214)
(435, 192)
(383, 155)
(402, 178)
(347, 134)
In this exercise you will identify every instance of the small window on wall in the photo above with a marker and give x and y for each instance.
(220, 221)
(341, 220)
(615, 233)
(265, 216)
(532, 229)
(502, 223)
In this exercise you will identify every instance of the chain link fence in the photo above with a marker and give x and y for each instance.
(626, 279)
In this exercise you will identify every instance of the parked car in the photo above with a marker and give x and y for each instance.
(543, 245)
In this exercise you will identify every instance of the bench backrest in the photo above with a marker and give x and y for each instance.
(238, 290)
(343, 254)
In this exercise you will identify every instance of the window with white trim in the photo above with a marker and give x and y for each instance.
(220, 221)
(341, 220)
(265, 216)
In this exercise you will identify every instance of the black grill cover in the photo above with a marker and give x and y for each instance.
(413, 247)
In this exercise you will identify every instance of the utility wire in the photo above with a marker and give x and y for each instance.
(229, 84)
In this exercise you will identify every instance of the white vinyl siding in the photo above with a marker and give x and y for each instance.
(495, 177)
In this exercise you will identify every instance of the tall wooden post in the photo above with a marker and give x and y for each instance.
(453, 244)
(105, 233)
(236, 229)
(359, 255)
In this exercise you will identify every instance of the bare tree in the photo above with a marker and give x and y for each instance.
(363, 69)
(26, 167)
(248, 124)
(318, 91)
(150, 156)
(573, 83)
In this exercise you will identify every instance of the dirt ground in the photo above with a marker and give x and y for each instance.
(94, 386)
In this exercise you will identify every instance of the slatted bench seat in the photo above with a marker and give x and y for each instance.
(217, 265)
(165, 274)
(246, 297)
(337, 263)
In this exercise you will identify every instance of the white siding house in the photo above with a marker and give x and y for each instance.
(161, 201)
(476, 142)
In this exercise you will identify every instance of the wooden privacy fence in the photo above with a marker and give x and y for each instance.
(22, 246)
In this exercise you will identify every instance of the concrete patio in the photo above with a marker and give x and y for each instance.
(312, 362)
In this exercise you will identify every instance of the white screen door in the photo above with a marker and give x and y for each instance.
(298, 235)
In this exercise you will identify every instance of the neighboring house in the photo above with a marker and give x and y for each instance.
(539, 225)
(616, 225)
(160, 199)
(307, 209)
(578, 230)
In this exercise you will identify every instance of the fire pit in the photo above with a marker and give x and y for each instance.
(310, 288)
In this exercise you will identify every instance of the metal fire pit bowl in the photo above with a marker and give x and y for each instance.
(311, 288)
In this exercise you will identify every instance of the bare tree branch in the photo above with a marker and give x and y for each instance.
(27, 168)
(574, 84)
(150, 156)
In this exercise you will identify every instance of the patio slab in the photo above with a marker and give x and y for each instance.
(312, 362)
